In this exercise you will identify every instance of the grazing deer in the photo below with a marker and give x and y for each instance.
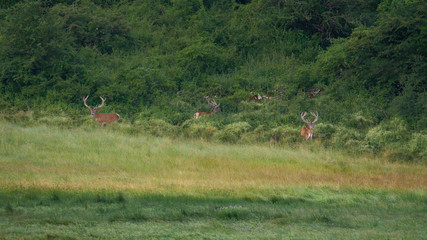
(255, 97)
(314, 92)
(214, 106)
(307, 131)
(102, 118)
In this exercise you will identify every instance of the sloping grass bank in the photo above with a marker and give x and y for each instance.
(95, 159)
(97, 183)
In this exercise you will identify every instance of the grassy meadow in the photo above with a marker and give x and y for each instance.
(241, 173)
(90, 183)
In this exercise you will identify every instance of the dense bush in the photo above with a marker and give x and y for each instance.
(325, 130)
(417, 146)
(232, 132)
(388, 133)
(159, 128)
(200, 130)
(286, 134)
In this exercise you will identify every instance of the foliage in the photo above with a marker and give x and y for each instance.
(232, 132)
(286, 134)
(324, 130)
(159, 128)
(200, 130)
(416, 145)
(391, 132)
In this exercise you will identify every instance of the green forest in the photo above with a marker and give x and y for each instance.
(360, 64)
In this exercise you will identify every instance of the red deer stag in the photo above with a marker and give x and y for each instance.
(102, 118)
(307, 131)
(214, 106)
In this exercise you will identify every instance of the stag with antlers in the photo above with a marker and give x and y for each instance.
(307, 131)
(102, 118)
(214, 106)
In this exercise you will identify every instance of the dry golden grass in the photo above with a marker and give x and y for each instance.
(49, 158)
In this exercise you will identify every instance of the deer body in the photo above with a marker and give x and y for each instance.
(102, 118)
(214, 106)
(307, 131)
(199, 114)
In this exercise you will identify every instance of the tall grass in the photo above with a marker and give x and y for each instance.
(101, 158)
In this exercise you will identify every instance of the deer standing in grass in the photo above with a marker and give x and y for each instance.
(214, 106)
(102, 118)
(307, 131)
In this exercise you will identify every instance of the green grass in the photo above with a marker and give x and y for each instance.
(85, 183)
(298, 213)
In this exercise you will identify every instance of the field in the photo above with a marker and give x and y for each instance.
(85, 183)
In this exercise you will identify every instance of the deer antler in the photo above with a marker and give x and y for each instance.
(302, 117)
(84, 100)
(211, 103)
(207, 99)
(102, 104)
(316, 116)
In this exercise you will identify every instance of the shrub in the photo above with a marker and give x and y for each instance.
(200, 130)
(159, 128)
(247, 106)
(324, 130)
(359, 121)
(344, 134)
(350, 139)
(21, 117)
(232, 132)
(259, 135)
(388, 133)
(417, 146)
(286, 134)
(205, 57)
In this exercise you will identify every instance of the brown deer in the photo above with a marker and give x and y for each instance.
(307, 131)
(102, 118)
(214, 106)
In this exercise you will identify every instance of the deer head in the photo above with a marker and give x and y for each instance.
(93, 110)
(310, 124)
(213, 104)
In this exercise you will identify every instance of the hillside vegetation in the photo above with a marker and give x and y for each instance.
(359, 63)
